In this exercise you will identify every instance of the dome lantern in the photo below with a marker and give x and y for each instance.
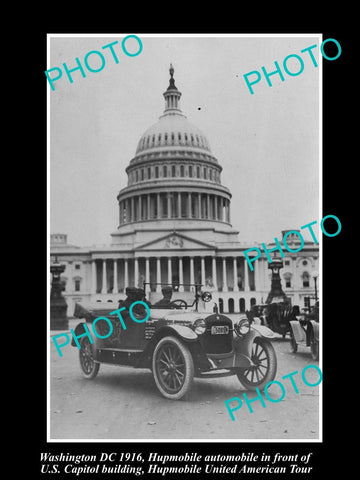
(172, 95)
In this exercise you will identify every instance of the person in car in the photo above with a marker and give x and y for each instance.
(166, 300)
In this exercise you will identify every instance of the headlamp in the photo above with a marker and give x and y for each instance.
(242, 327)
(199, 326)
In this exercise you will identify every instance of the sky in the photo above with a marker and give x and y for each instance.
(267, 143)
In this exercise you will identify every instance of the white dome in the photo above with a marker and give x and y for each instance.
(173, 130)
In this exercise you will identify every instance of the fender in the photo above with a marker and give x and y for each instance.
(79, 329)
(263, 330)
(181, 331)
(315, 327)
(297, 331)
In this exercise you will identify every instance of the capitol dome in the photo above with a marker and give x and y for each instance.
(173, 176)
(173, 130)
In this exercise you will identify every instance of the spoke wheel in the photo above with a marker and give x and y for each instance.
(173, 368)
(265, 364)
(88, 366)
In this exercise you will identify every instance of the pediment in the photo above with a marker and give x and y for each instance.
(175, 241)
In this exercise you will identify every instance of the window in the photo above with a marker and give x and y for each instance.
(149, 172)
(190, 171)
(156, 172)
(142, 174)
(182, 171)
(77, 285)
(198, 172)
(306, 282)
(210, 174)
(287, 262)
(288, 281)
(205, 173)
(77, 266)
(173, 171)
(136, 176)
(164, 171)
(304, 262)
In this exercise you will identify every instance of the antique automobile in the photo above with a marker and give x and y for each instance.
(178, 342)
(275, 315)
(305, 331)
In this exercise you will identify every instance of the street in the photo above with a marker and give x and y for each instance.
(124, 403)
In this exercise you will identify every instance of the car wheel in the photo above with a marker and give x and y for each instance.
(89, 367)
(314, 347)
(265, 364)
(173, 368)
(293, 344)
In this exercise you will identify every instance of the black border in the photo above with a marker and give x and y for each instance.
(337, 158)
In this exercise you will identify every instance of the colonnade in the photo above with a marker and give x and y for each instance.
(164, 205)
(113, 275)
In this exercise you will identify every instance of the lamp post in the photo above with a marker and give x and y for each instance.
(315, 275)
(58, 306)
(276, 292)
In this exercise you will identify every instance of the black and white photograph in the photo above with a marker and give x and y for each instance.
(185, 234)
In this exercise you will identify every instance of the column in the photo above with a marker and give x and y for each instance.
(158, 274)
(132, 210)
(214, 276)
(169, 204)
(189, 205)
(181, 275)
(147, 275)
(236, 287)
(225, 287)
(208, 205)
(127, 211)
(115, 289)
(256, 275)
(169, 271)
(126, 274)
(140, 206)
(246, 276)
(104, 285)
(148, 206)
(203, 271)
(93, 276)
(216, 207)
(159, 213)
(136, 272)
(192, 280)
(179, 204)
(199, 204)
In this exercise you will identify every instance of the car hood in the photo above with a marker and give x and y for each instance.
(176, 315)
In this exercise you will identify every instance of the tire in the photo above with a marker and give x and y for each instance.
(314, 347)
(264, 357)
(89, 367)
(173, 368)
(293, 344)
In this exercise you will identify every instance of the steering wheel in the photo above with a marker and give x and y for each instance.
(178, 303)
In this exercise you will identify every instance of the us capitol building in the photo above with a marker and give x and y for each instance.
(175, 228)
